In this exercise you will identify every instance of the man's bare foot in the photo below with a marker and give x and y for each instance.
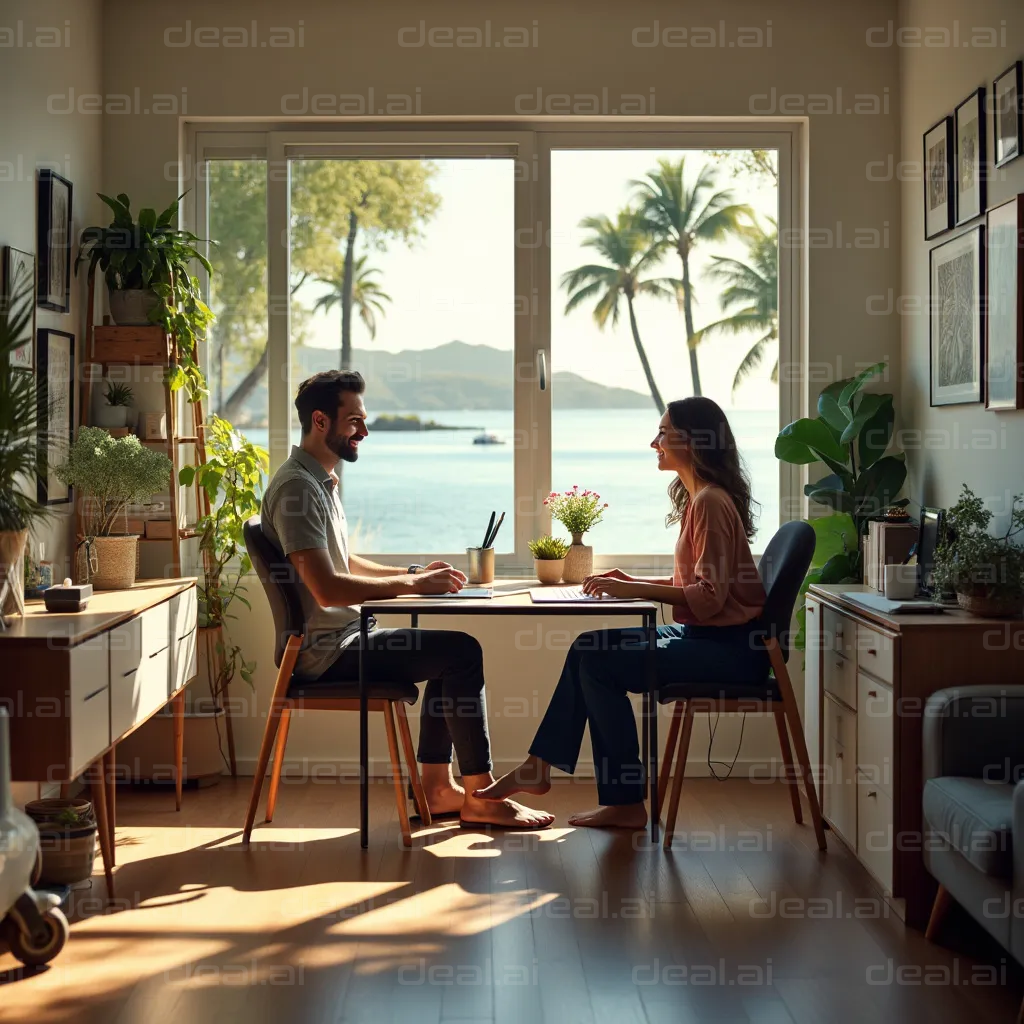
(504, 814)
(446, 799)
(532, 776)
(633, 816)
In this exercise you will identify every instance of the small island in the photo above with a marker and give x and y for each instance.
(392, 421)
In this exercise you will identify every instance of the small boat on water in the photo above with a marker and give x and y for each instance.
(487, 439)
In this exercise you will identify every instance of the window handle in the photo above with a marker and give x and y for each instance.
(542, 369)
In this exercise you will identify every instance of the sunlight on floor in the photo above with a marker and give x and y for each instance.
(467, 843)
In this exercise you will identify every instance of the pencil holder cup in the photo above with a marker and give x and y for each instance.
(481, 565)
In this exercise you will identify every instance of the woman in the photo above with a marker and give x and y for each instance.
(715, 593)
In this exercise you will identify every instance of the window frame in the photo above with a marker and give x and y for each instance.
(529, 141)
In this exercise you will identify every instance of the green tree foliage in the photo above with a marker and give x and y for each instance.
(629, 250)
(751, 298)
(368, 297)
(685, 215)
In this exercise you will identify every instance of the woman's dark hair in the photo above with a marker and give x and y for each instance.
(322, 392)
(716, 459)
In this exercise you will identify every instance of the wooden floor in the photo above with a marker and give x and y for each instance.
(744, 921)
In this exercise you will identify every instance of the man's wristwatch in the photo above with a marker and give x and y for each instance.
(414, 569)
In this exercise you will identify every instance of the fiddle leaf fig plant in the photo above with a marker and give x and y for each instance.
(850, 437)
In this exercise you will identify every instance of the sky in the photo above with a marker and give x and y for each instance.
(457, 282)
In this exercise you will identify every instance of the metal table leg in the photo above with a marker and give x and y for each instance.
(364, 736)
(652, 702)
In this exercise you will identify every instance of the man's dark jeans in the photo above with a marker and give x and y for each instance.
(454, 711)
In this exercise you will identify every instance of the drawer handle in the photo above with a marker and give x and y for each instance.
(839, 663)
(161, 651)
(130, 672)
(872, 693)
(873, 793)
(95, 693)
(872, 652)
(839, 755)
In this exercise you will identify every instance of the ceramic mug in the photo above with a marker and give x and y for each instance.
(900, 581)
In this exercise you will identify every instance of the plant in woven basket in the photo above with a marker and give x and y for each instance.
(232, 477)
(549, 548)
(113, 472)
(985, 571)
(118, 394)
(578, 511)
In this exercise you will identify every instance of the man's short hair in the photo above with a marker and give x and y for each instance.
(322, 393)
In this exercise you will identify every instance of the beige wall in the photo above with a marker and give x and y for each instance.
(960, 443)
(33, 136)
(817, 65)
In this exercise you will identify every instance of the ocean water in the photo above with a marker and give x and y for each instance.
(433, 491)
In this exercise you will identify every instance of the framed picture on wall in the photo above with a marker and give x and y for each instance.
(955, 308)
(969, 131)
(938, 174)
(53, 224)
(1004, 306)
(56, 412)
(1008, 115)
(19, 271)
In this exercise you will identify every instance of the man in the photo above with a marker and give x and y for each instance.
(303, 517)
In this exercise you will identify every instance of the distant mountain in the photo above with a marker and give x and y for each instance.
(452, 376)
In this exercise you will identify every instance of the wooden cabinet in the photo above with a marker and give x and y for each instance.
(873, 674)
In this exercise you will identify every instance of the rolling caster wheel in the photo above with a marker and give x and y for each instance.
(34, 951)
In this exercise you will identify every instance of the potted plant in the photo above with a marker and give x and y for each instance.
(20, 398)
(146, 266)
(986, 572)
(850, 436)
(112, 472)
(67, 838)
(113, 412)
(549, 558)
(578, 512)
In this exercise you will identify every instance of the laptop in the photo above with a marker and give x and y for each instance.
(880, 603)
(568, 595)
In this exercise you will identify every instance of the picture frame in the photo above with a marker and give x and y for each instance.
(1008, 114)
(938, 178)
(970, 174)
(19, 266)
(54, 232)
(1004, 306)
(56, 351)
(956, 315)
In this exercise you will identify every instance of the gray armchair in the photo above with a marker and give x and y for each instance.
(974, 807)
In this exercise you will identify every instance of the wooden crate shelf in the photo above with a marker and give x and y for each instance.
(142, 346)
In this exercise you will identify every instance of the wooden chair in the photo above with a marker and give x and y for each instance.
(290, 694)
(782, 569)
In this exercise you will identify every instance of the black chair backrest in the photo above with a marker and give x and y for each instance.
(783, 567)
(277, 575)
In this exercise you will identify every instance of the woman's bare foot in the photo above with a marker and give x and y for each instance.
(503, 814)
(532, 776)
(444, 795)
(633, 816)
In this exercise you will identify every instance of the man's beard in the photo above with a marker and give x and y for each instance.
(342, 447)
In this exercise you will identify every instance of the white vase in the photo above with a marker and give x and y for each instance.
(579, 562)
(111, 415)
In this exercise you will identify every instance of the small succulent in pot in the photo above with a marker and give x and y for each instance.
(113, 411)
(118, 394)
(549, 557)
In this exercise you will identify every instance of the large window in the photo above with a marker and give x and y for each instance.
(521, 302)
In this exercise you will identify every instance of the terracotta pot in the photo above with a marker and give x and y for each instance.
(548, 570)
(12, 550)
(978, 602)
(115, 562)
(579, 562)
(131, 307)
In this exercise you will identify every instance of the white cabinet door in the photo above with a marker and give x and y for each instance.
(812, 684)
(839, 793)
(185, 637)
(89, 701)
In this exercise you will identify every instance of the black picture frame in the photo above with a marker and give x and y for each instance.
(937, 146)
(1008, 114)
(1004, 306)
(54, 233)
(949, 292)
(17, 264)
(971, 157)
(55, 415)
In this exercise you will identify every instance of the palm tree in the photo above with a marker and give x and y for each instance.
(368, 297)
(683, 218)
(751, 297)
(628, 249)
